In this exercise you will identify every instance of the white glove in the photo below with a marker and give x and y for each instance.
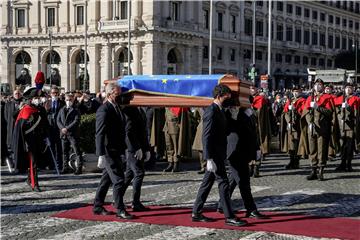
(290, 107)
(258, 154)
(211, 166)
(313, 105)
(101, 162)
(248, 112)
(344, 105)
(147, 156)
(138, 154)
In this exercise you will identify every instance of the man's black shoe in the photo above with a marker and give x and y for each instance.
(202, 171)
(139, 207)
(201, 218)
(235, 222)
(78, 171)
(124, 215)
(101, 211)
(255, 214)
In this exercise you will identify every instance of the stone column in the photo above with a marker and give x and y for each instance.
(94, 68)
(65, 68)
(105, 61)
(4, 17)
(5, 62)
(105, 10)
(35, 61)
(35, 17)
(187, 60)
(64, 12)
(135, 66)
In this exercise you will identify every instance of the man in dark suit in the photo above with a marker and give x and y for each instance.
(241, 149)
(214, 150)
(53, 110)
(138, 151)
(68, 121)
(110, 145)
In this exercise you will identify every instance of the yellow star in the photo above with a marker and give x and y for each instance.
(164, 81)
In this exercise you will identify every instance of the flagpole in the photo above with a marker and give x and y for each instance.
(254, 32)
(269, 44)
(129, 35)
(210, 37)
(85, 49)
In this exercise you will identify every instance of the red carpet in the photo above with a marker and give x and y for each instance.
(278, 222)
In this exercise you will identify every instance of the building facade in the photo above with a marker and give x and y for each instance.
(171, 37)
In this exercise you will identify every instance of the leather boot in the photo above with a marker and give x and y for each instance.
(313, 174)
(169, 167)
(348, 166)
(256, 171)
(342, 166)
(296, 164)
(79, 165)
(176, 167)
(321, 174)
(290, 165)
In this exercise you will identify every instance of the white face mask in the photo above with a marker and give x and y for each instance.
(348, 91)
(327, 90)
(318, 88)
(296, 94)
(35, 101)
(43, 100)
(68, 103)
(54, 98)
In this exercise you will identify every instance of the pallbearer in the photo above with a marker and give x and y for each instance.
(346, 110)
(290, 127)
(316, 129)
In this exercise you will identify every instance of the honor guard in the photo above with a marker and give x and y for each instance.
(290, 127)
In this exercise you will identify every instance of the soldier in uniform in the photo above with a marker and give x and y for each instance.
(176, 131)
(260, 106)
(28, 138)
(346, 115)
(197, 144)
(316, 129)
(290, 127)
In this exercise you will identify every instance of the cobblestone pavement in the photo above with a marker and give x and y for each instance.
(26, 215)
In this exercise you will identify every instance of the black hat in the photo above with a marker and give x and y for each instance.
(319, 81)
(330, 86)
(32, 92)
(349, 85)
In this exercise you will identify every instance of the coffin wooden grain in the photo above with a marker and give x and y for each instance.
(240, 94)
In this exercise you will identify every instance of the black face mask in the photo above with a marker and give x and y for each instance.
(227, 103)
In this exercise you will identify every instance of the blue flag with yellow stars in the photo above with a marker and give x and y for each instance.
(171, 85)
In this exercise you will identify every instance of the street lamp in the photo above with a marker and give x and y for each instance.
(356, 46)
(50, 38)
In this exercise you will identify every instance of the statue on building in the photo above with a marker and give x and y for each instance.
(24, 78)
(55, 77)
(84, 84)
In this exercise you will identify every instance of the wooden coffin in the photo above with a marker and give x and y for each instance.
(240, 94)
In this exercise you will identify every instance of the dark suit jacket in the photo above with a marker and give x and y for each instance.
(135, 128)
(69, 119)
(214, 136)
(242, 139)
(52, 113)
(110, 131)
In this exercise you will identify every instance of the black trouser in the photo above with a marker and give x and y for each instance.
(134, 172)
(112, 173)
(67, 142)
(223, 184)
(56, 147)
(347, 150)
(239, 176)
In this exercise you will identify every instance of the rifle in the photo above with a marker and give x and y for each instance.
(312, 124)
(344, 101)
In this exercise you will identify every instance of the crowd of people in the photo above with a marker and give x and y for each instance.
(41, 130)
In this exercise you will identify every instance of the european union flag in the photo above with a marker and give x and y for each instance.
(171, 85)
